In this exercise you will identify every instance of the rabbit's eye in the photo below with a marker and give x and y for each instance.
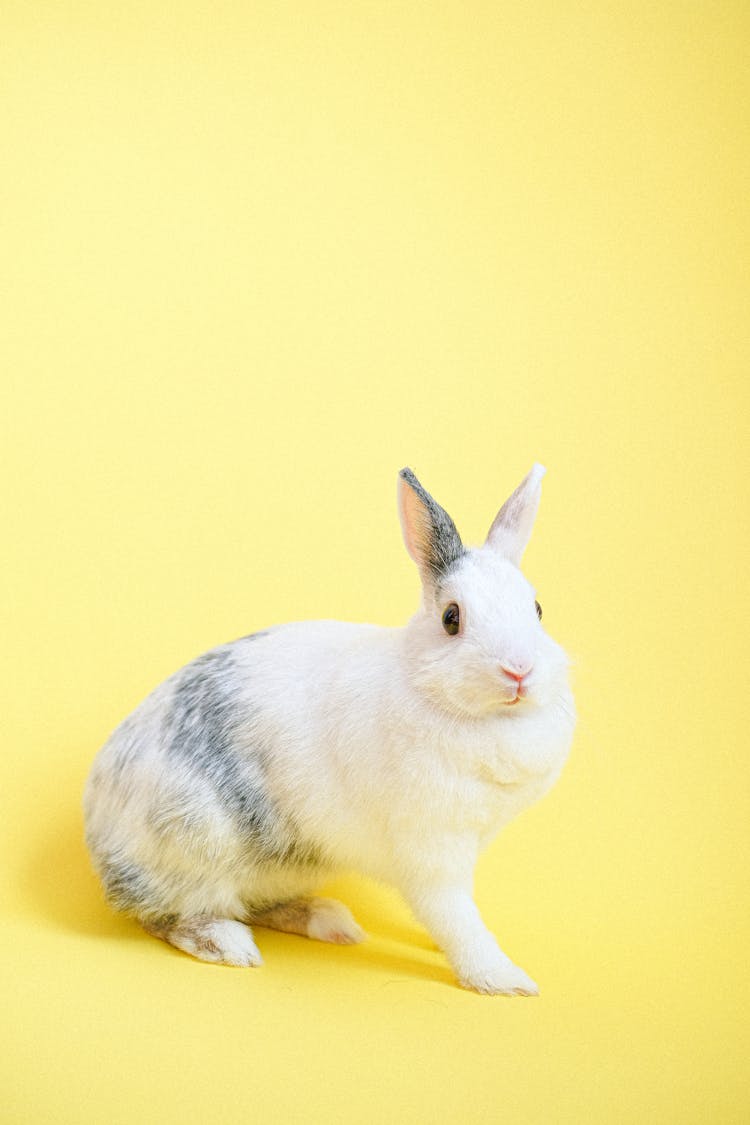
(538, 610)
(451, 619)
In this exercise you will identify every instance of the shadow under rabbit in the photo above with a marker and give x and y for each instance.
(61, 888)
(281, 951)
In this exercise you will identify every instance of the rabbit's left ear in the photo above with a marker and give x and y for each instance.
(512, 526)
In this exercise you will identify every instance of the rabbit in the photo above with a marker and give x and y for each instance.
(264, 766)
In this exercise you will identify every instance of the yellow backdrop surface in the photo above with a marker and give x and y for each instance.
(255, 258)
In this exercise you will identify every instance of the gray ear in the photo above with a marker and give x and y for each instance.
(511, 529)
(429, 533)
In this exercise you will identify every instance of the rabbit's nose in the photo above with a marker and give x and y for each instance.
(516, 673)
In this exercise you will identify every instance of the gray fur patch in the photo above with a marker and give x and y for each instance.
(126, 746)
(206, 728)
(439, 539)
(126, 885)
(292, 917)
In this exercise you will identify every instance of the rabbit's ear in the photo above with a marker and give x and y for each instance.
(429, 533)
(511, 529)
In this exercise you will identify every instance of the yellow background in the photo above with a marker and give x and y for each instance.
(255, 258)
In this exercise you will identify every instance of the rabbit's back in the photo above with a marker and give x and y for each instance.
(219, 782)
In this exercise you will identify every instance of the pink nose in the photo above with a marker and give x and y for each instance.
(514, 674)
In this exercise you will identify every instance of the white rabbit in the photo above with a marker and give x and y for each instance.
(265, 765)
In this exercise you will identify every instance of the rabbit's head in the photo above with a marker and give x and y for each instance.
(477, 645)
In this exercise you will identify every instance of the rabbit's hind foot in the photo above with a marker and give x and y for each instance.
(324, 919)
(221, 940)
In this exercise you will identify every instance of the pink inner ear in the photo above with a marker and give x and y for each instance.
(512, 526)
(511, 512)
(410, 521)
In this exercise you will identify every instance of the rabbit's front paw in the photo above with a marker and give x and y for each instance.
(499, 980)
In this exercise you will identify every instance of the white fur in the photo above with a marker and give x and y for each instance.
(331, 921)
(221, 940)
(400, 752)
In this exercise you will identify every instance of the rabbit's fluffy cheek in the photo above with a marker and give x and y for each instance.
(469, 680)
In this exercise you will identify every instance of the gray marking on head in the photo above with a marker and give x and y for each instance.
(439, 539)
(208, 729)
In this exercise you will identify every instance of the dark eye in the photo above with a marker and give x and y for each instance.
(538, 610)
(451, 619)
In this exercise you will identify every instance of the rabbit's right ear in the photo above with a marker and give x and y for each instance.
(510, 532)
(429, 533)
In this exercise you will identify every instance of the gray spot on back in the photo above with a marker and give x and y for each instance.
(210, 729)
